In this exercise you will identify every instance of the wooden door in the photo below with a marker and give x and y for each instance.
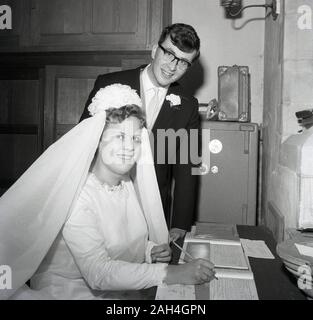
(66, 92)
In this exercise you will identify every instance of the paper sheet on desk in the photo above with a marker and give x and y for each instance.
(305, 250)
(176, 292)
(233, 289)
(256, 249)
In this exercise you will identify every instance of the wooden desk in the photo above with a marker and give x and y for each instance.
(273, 281)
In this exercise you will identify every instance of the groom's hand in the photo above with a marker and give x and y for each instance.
(162, 253)
(176, 233)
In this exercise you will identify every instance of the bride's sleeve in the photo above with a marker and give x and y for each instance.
(87, 246)
(149, 246)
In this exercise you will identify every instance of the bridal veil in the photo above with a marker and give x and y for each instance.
(34, 209)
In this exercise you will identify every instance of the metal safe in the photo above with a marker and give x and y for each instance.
(228, 183)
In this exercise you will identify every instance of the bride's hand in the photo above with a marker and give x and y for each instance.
(161, 253)
(197, 271)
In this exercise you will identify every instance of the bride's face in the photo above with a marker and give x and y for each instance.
(119, 147)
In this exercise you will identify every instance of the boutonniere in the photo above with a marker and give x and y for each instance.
(175, 101)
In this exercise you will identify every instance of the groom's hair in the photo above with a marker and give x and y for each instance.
(118, 115)
(183, 36)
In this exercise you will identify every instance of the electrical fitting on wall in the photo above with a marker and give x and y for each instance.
(234, 8)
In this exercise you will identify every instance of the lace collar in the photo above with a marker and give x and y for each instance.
(108, 188)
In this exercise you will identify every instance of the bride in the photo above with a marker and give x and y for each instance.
(78, 227)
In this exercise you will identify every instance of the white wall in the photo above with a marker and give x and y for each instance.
(221, 44)
(286, 186)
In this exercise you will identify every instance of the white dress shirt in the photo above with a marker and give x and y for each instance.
(149, 90)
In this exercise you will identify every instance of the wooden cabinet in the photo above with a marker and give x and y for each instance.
(85, 25)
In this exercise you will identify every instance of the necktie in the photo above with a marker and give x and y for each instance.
(153, 108)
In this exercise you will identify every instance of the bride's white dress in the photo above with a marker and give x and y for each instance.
(102, 250)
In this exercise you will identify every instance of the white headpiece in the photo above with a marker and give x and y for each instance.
(34, 209)
(113, 96)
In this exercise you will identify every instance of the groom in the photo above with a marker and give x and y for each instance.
(167, 107)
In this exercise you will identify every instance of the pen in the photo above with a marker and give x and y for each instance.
(182, 250)
(188, 254)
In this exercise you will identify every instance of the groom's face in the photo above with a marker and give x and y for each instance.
(163, 70)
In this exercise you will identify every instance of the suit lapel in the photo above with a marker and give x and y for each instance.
(135, 80)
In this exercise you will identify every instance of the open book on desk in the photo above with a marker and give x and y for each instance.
(229, 260)
(221, 245)
(213, 233)
(222, 255)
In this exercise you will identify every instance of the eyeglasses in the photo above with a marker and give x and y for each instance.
(170, 57)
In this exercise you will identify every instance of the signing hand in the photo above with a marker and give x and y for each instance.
(197, 271)
(176, 233)
(161, 253)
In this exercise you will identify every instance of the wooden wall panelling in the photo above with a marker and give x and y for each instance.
(126, 27)
(79, 25)
(36, 60)
(105, 9)
(20, 141)
(115, 16)
(21, 150)
(61, 17)
(56, 22)
(66, 92)
(128, 12)
(156, 22)
(24, 107)
(134, 63)
(85, 25)
(4, 101)
(19, 102)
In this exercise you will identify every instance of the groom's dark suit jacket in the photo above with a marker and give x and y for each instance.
(185, 116)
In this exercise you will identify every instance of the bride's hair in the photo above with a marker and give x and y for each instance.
(118, 115)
